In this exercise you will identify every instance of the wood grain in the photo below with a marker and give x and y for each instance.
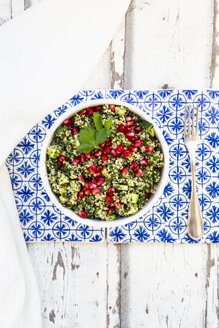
(169, 43)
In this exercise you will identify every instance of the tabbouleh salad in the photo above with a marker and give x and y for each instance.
(104, 162)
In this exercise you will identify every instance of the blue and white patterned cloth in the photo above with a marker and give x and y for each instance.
(167, 221)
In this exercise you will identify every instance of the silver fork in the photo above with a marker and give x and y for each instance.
(195, 222)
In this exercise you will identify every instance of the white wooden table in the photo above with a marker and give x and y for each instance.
(160, 44)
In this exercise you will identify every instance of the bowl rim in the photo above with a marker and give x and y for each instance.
(94, 222)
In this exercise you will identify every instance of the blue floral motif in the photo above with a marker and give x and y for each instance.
(141, 94)
(213, 237)
(168, 190)
(190, 93)
(116, 93)
(26, 145)
(117, 234)
(61, 110)
(165, 93)
(165, 212)
(25, 217)
(213, 189)
(213, 139)
(141, 234)
(213, 164)
(213, 93)
(48, 217)
(76, 99)
(25, 169)
(45, 196)
(167, 137)
(164, 114)
(213, 214)
(48, 237)
(165, 236)
(48, 121)
(96, 239)
(25, 193)
(212, 115)
(187, 188)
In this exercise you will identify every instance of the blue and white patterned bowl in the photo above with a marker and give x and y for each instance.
(122, 220)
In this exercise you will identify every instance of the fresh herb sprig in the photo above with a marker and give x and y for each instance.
(90, 137)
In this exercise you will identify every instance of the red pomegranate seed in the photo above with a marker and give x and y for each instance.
(90, 111)
(97, 174)
(108, 142)
(121, 128)
(132, 149)
(76, 160)
(130, 135)
(114, 153)
(80, 195)
(112, 107)
(85, 175)
(83, 214)
(96, 191)
(83, 112)
(92, 169)
(88, 191)
(110, 190)
(147, 196)
(68, 122)
(110, 210)
(62, 158)
(98, 153)
(87, 185)
(134, 138)
(119, 149)
(81, 178)
(88, 155)
(144, 162)
(131, 123)
(109, 199)
(139, 143)
(100, 181)
(60, 165)
(98, 108)
(118, 205)
(102, 145)
(74, 130)
(92, 184)
(107, 150)
(137, 129)
(149, 149)
(126, 153)
(124, 171)
(128, 129)
(128, 118)
(104, 158)
(138, 173)
(83, 157)
(133, 165)
(99, 168)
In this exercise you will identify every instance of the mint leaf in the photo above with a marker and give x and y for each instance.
(85, 148)
(101, 136)
(86, 135)
(97, 118)
(108, 132)
(146, 125)
(108, 124)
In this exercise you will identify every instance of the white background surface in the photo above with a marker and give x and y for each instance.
(160, 43)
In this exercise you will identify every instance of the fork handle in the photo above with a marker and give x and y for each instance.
(195, 222)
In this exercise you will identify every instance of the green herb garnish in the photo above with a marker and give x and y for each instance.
(90, 138)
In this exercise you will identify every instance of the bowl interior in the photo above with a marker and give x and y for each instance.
(95, 222)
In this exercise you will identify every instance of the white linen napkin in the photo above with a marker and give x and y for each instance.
(46, 54)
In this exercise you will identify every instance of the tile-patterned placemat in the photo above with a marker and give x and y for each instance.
(166, 222)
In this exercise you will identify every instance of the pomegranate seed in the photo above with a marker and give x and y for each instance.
(128, 118)
(90, 111)
(83, 112)
(138, 173)
(100, 181)
(84, 189)
(60, 165)
(88, 155)
(76, 160)
(68, 122)
(132, 149)
(80, 195)
(128, 129)
(102, 145)
(62, 158)
(126, 153)
(121, 128)
(118, 205)
(98, 153)
(139, 143)
(109, 199)
(124, 171)
(85, 175)
(134, 138)
(130, 135)
(108, 142)
(97, 174)
(107, 150)
(98, 108)
(119, 149)
(131, 123)
(133, 165)
(83, 157)
(93, 184)
(110, 210)
(147, 196)
(114, 153)
(88, 191)
(110, 190)
(99, 168)
(104, 158)
(96, 191)
(83, 214)
(74, 130)
(112, 107)
(87, 185)
(92, 169)
(144, 162)
(149, 149)
(137, 128)
(81, 178)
